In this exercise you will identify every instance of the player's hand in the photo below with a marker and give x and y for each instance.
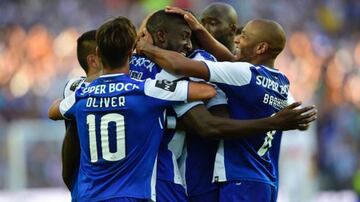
(144, 39)
(291, 117)
(193, 23)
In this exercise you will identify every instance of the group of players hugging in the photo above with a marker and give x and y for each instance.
(176, 112)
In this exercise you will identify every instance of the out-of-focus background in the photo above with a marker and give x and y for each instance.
(321, 59)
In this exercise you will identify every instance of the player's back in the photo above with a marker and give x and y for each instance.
(253, 92)
(119, 129)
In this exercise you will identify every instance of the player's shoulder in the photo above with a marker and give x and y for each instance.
(275, 71)
(72, 84)
(201, 54)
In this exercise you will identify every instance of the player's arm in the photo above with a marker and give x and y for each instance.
(206, 40)
(172, 61)
(200, 120)
(70, 155)
(200, 91)
(59, 107)
(54, 111)
(179, 90)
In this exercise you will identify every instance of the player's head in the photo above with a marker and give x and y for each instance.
(143, 25)
(115, 40)
(170, 31)
(86, 52)
(237, 39)
(261, 40)
(220, 20)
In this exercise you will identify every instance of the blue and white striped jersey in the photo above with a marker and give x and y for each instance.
(197, 161)
(120, 124)
(253, 91)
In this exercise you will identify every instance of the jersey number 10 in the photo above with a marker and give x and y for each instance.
(104, 137)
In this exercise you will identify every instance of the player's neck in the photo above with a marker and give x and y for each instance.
(266, 62)
(118, 70)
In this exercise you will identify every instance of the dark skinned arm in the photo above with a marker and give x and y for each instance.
(70, 155)
(200, 121)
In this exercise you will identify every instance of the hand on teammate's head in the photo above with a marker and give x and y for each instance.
(193, 23)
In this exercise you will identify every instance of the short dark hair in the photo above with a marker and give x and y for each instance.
(86, 44)
(161, 20)
(115, 40)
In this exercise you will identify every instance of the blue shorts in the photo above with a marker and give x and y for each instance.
(169, 191)
(246, 191)
(211, 196)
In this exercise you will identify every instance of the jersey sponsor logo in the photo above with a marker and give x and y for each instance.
(110, 88)
(166, 85)
(272, 85)
(75, 84)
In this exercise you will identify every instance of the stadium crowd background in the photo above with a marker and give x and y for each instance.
(321, 59)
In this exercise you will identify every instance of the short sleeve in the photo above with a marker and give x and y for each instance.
(67, 106)
(181, 109)
(167, 90)
(231, 73)
(72, 85)
(219, 99)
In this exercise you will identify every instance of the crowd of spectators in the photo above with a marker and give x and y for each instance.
(321, 59)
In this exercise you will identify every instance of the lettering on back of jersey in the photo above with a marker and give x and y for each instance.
(166, 85)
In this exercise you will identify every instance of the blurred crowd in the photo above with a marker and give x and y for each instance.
(321, 59)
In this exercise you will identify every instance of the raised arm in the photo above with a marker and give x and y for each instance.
(200, 121)
(172, 61)
(206, 40)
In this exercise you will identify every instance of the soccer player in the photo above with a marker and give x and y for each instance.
(86, 55)
(248, 167)
(120, 120)
(220, 19)
(172, 29)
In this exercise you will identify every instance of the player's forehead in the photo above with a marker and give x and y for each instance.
(250, 28)
(215, 17)
(179, 28)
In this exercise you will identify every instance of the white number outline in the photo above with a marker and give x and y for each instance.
(267, 143)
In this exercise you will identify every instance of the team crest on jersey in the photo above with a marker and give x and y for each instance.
(166, 85)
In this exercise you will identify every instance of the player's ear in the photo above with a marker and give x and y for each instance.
(97, 51)
(262, 47)
(160, 35)
(92, 60)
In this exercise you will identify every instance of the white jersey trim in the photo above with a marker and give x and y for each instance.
(231, 73)
(153, 181)
(219, 167)
(169, 92)
(66, 104)
(176, 146)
